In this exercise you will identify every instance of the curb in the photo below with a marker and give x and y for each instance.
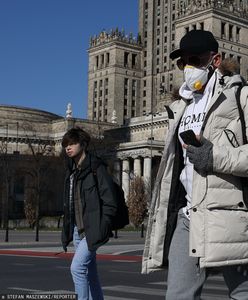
(69, 255)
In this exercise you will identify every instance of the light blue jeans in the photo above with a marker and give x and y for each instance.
(84, 271)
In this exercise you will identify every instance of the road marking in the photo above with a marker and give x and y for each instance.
(21, 255)
(22, 265)
(32, 253)
(19, 289)
(124, 261)
(119, 298)
(135, 290)
(128, 272)
(210, 291)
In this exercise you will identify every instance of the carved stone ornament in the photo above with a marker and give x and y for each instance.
(68, 111)
(133, 154)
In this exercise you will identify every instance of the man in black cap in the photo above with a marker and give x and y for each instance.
(199, 210)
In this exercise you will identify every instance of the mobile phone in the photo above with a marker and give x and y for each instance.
(189, 138)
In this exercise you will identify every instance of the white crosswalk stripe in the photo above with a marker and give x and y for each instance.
(20, 289)
(214, 289)
(118, 298)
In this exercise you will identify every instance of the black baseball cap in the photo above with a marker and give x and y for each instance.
(196, 42)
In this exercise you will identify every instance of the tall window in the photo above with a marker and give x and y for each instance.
(107, 58)
(19, 194)
(102, 60)
(97, 61)
(238, 33)
(126, 55)
(134, 58)
(223, 25)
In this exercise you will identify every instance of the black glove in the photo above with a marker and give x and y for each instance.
(201, 157)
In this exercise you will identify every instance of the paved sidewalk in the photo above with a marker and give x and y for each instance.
(128, 246)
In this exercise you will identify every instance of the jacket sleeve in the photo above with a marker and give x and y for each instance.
(231, 160)
(106, 192)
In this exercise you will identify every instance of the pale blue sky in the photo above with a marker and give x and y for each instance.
(43, 49)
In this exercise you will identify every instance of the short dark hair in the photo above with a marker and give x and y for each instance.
(74, 136)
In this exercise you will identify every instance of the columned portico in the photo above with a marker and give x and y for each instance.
(137, 166)
(125, 176)
(117, 171)
(147, 169)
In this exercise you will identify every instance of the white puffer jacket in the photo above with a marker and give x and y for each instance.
(219, 218)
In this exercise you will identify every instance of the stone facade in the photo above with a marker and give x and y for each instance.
(162, 23)
(30, 154)
(30, 158)
(226, 19)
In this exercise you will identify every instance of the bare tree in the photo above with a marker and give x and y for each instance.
(39, 148)
(137, 201)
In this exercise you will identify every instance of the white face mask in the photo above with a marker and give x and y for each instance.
(195, 78)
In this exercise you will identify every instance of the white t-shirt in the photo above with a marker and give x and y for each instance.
(193, 118)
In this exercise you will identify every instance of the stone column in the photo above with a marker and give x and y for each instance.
(137, 166)
(226, 31)
(147, 169)
(125, 177)
(234, 33)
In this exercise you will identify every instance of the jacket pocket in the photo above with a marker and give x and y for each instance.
(105, 229)
(231, 137)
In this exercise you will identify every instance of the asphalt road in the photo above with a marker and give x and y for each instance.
(120, 280)
(120, 276)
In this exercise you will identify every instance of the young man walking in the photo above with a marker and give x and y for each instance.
(198, 215)
(89, 206)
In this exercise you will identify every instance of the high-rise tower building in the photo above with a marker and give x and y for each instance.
(157, 31)
(141, 74)
(114, 77)
(162, 23)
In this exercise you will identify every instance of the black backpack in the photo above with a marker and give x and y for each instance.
(121, 218)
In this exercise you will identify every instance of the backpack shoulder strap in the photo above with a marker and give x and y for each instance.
(241, 114)
(94, 166)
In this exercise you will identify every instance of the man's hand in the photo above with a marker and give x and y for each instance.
(201, 157)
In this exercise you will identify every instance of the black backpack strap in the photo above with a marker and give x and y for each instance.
(169, 112)
(94, 166)
(241, 114)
